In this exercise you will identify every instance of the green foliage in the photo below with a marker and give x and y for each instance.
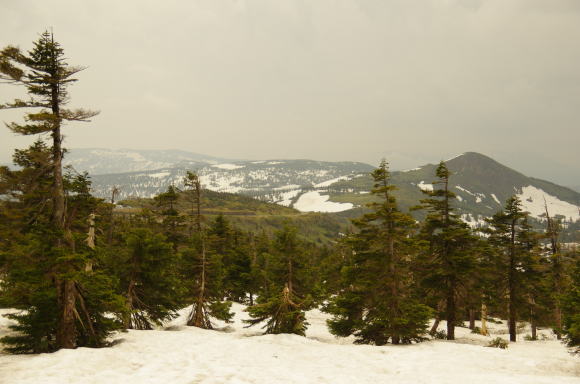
(374, 302)
(33, 263)
(439, 335)
(148, 278)
(286, 296)
(498, 342)
(571, 309)
(203, 276)
(448, 259)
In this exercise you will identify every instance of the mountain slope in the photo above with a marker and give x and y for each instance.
(250, 214)
(272, 180)
(98, 161)
(482, 186)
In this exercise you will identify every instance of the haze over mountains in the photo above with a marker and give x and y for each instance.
(481, 184)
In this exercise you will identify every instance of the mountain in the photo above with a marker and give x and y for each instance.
(481, 184)
(98, 161)
(280, 181)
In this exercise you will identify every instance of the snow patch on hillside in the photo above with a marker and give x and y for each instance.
(474, 221)
(328, 183)
(424, 186)
(464, 190)
(455, 157)
(533, 201)
(228, 166)
(287, 197)
(313, 201)
(159, 175)
(495, 198)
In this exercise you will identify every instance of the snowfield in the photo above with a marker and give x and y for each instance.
(534, 200)
(179, 354)
(315, 202)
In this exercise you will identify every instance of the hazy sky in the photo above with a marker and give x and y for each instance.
(413, 81)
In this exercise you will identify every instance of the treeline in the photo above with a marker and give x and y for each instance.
(76, 272)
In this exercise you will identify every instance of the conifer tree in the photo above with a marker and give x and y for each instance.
(30, 254)
(556, 273)
(283, 304)
(509, 235)
(450, 258)
(571, 310)
(202, 267)
(148, 276)
(46, 76)
(375, 302)
(167, 202)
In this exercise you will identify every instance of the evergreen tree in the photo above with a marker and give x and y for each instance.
(46, 76)
(509, 234)
(450, 257)
(203, 268)
(148, 276)
(30, 254)
(571, 310)
(282, 305)
(556, 272)
(375, 302)
(167, 202)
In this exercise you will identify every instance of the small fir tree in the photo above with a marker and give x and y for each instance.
(283, 304)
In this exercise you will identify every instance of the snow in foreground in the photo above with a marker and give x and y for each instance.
(180, 354)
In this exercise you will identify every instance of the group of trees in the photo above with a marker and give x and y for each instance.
(77, 271)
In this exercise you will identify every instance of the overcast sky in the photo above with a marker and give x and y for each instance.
(412, 81)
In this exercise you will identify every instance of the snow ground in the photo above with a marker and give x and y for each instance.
(178, 354)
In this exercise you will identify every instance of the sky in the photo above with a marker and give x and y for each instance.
(413, 81)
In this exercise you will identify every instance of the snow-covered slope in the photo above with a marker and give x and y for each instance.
(482, 186)
(179, 354)
(98, 161)
(278, 181)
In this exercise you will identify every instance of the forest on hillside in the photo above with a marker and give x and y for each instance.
(75, 269)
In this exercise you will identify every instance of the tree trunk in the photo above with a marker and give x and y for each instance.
(437, 317)
(66, 332)
(472, 319)
(512, 285)
(114, 192)
(533, 322)
(198, 316)
(435, 324)
(484, 331)
(534, 328)
(450, 311)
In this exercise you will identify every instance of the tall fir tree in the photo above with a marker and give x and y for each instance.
(375, 301)
(449, 259)
(571, 309)
(509, 235)
(202, 268)
(52, 241)
(26, 285)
